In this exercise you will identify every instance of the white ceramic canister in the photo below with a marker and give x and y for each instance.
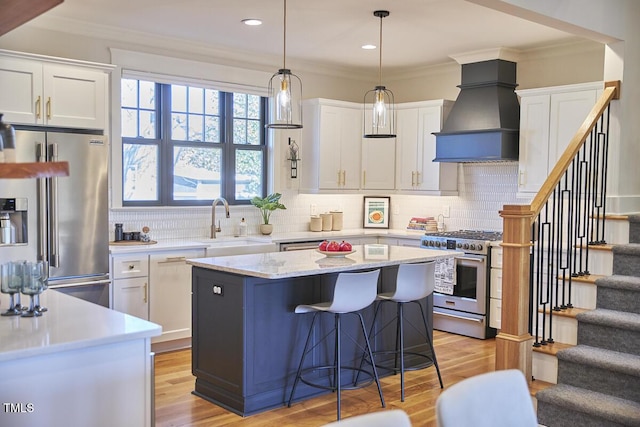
(315, 223)
(337, 220)
(327, 221)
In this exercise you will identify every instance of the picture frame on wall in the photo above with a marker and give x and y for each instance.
(376, 212)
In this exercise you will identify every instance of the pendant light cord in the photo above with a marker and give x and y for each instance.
(284, 48)
(380, 65)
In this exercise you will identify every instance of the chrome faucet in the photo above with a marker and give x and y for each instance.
(215, 229)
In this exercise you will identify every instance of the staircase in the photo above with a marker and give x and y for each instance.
(598, 380)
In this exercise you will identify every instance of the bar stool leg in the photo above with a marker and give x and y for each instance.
(433, 351)
(373, 363)
(304, 353)
(338, 365)
(400, 321)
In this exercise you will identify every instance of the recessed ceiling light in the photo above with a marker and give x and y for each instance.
(369, 46)
(251, 21)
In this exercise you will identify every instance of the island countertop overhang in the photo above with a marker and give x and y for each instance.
(279, 265)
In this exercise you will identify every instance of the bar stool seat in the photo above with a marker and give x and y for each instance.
(414, 282)
(352, 293)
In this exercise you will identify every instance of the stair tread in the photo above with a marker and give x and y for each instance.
(552, 348)
(538, 385)
(567, 312)
(603, 358)
(591, 278)
(628, 249)
(619, 319)
(620, 282)
(590, 402)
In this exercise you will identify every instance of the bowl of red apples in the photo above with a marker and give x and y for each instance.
(332, 248)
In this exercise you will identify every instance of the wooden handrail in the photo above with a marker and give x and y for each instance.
(611, 91)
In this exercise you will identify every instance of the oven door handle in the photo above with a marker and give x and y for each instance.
(464, 258)
(470, 319)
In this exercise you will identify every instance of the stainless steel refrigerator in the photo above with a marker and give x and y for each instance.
(68, 217)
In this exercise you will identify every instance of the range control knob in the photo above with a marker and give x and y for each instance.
(472, 247)
(465, 246)
(437, 244)
(459, 245)
(479, 247)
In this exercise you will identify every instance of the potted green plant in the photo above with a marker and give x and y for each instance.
(267, 205)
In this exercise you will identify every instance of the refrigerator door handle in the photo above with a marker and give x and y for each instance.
(54, 260)
(43, 253)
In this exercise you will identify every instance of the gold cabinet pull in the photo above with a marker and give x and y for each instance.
(344, 177)
(364, 178)
(418, 181)
(38, 107)
(48, 107)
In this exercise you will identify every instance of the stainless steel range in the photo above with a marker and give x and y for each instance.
(464, 308)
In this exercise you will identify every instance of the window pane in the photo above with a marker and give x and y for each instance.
(196, 100)
(129, 123)
(248, 174)
(212, 129)
(239, 105)
(196, 173)
(147, 95)
(179, 127)
(195, 128)
(147, 124)
(253, 132)
(179, 98)
(239, 131)
(212, 102)
(129, 93)
(253, 111)
(140, 172)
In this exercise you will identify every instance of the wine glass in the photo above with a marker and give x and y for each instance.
(44, 277)
(11, 283)
(32, 284)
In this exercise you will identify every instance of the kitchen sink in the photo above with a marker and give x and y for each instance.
(237, 246)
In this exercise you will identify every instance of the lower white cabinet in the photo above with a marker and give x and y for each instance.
(495, 293)
(170, 293)
(130, 274)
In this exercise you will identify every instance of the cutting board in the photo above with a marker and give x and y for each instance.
(132, 243)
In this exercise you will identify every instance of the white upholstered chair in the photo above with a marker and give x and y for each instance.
(391, 418)
(494, 399)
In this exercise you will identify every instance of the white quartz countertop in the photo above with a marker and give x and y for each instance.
(70, 323)
(276, 265)
(298, 236)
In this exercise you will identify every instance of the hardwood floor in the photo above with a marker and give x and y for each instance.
(459, 357)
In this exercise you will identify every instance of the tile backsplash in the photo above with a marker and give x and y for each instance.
(483, 189)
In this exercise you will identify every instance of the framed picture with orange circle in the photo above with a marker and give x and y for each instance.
(376, 212)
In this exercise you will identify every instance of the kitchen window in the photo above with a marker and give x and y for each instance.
(187, 145)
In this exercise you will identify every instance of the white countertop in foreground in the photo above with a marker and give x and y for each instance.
(277, 265)
(70, 324)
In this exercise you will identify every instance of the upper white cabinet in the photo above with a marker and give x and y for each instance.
(416, 144)
(47, 91)
(549, 118)
(378, 163)
(331, 141)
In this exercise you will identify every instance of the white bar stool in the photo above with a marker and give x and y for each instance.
(352, 292)
(414, 282)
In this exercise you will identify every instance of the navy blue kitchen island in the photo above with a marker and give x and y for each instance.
(247, 341)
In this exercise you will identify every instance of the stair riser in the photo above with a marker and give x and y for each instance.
(626, 265)
(617, 232)
(634, 232)
(544, 367)
(583, 295)
(557, 416)
(618, 299)
(597, 379)
(564, 328)
(597, 335)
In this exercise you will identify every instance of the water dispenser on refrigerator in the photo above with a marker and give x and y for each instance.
(13, 221)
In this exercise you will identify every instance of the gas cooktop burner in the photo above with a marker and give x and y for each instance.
(490, 236)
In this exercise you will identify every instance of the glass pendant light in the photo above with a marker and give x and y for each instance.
(380, 102)
(285, 93)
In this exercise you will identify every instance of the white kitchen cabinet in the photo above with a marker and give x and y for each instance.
(331, 143)
(495, 292)
(378, 163)
(416, 145)
(170, 293)
(38, 90)
(130, 274)
(549, 118)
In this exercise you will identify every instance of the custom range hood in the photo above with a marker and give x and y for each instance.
(484, 122)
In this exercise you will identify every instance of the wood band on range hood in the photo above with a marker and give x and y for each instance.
(33, 170)
(17, 12)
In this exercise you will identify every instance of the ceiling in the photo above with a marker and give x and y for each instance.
(417, 33)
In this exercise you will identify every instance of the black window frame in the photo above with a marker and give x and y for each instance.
(166, 147)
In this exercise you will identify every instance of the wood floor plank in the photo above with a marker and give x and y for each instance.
(459, 358)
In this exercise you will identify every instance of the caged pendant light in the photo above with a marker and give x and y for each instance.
(285, 93)
(379, 101)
